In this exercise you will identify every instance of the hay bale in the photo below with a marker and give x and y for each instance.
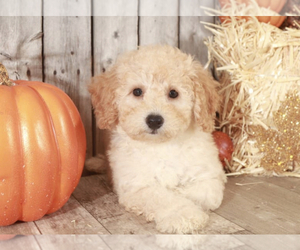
(258, 67)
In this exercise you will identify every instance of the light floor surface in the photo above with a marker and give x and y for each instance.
(256, 213)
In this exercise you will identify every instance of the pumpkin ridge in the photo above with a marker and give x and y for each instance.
(54, 133)
(41, 157)
(22, 172)
(70, 115)
(76, 125)
(19, 167)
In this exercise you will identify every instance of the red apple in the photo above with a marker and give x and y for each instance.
(225, 146)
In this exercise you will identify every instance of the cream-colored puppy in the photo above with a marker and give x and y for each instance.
(160, 105)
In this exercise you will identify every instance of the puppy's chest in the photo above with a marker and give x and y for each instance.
(169, 165)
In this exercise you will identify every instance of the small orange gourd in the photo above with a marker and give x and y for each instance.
(273, 20)
(42, 149)
(275, 5)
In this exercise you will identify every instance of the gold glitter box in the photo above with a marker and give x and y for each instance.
(258, 66)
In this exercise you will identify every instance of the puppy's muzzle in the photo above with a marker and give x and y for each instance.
(154, 122)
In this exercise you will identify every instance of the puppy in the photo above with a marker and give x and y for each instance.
(160, 104)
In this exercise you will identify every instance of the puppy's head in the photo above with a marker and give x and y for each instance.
(155, 93)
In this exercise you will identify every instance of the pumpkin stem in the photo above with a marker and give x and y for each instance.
(4, 78)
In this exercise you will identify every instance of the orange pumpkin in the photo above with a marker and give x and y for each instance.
(42, 149)
(6, 236)
(273, 20)
(275, 5)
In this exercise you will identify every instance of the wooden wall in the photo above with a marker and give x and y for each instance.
(66, 50)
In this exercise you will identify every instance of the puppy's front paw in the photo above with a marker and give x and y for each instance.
(213, 202)
(184, 221)
(212, 196)
(207, 194)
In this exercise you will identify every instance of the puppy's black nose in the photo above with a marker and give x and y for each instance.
(154, 121)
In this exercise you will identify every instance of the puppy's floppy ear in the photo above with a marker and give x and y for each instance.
(206, 98)
(102, 89)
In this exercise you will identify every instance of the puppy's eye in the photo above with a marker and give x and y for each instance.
(137, 92)
(173, 93)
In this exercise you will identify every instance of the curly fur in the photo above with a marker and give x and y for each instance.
(172, 176)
